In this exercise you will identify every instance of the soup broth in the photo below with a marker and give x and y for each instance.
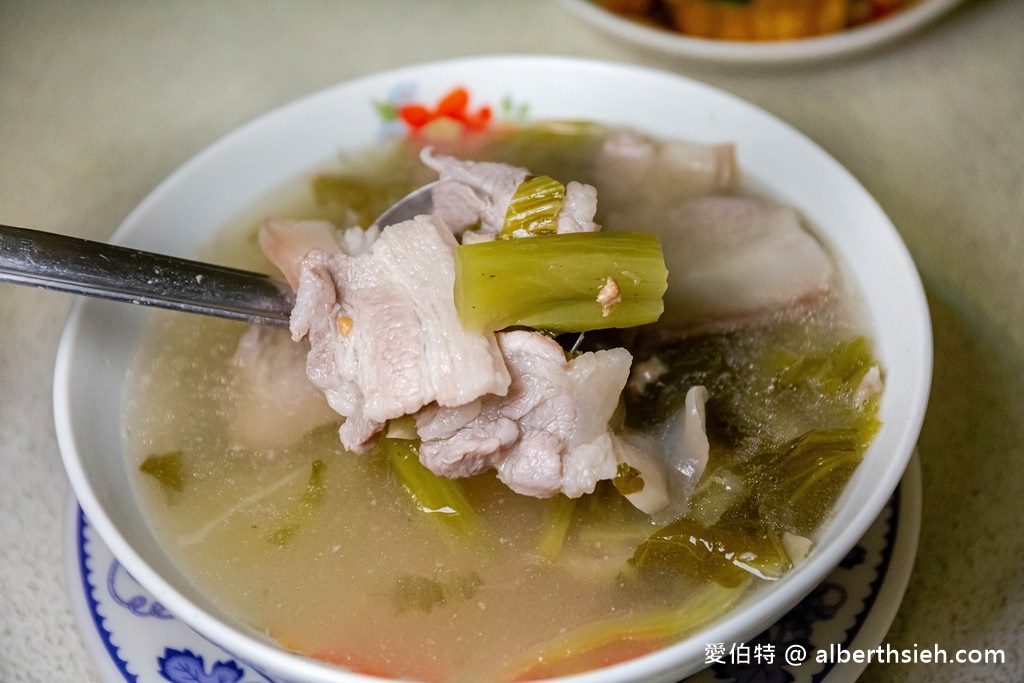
(326, 552)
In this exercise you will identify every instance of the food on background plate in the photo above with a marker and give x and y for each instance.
(521, 466)
(755, 20)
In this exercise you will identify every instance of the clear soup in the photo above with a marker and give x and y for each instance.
(327, 553)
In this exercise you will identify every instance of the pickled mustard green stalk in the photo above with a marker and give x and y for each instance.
(534, 207)
(557, 282)
(646, 631)
(558, 514)
(438, 497)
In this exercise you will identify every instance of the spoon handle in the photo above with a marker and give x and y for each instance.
(80, 266)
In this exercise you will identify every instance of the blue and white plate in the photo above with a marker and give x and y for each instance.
(133, 638)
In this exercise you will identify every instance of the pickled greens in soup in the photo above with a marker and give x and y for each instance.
(587, 405)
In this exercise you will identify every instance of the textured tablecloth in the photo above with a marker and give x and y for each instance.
(99, 101)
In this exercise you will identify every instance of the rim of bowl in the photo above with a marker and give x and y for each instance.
(733, 627)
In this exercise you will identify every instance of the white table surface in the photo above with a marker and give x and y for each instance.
(99, 101)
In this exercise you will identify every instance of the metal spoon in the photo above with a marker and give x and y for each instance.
(107, 271)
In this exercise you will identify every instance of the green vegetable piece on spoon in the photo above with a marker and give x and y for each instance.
(561, 283)
(534, 207)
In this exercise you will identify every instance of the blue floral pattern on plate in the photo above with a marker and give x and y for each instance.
(184, 666)
(133, 638)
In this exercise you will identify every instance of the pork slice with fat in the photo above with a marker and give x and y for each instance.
(385, 337)
(549, 433)
(740, 258)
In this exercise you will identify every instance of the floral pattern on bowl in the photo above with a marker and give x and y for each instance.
(404, 114)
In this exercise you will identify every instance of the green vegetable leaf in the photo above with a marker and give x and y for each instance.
(423, 593)
(800, 482)
(558, 514)
(725, 553)
(628, 479)
(763, 393)
(304, 508)
(835, 370)
(166, 469)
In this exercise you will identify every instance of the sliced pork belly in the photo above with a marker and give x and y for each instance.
(385, 337)
(642, 178)
(736, 258)
(462, 441)
(548, 434)
(273, 404)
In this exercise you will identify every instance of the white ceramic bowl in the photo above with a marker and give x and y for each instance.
(207, 192)
(844, 43)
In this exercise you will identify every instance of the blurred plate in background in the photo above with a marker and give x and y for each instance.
(845, 42)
